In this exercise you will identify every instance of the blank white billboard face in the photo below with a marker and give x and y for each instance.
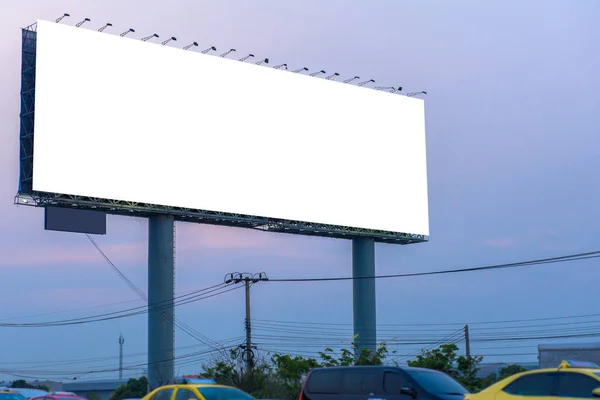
(121, 119)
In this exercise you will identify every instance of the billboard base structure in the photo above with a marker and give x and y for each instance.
(161, 294)
(143, 210)
(364, 295)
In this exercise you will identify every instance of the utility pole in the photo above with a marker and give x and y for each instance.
(121, 343)
(467, 342)
(248, 280)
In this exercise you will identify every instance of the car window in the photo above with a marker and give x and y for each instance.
(393, 382)
(185, 394)
(574, 384)
(223, 393)
(324, 382)
(532, 385)
(163, 394)
(371, 382)
(351, 383)
(359, 382)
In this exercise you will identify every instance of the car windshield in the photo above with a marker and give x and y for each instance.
(223, 393)
(437, 382)
(12, 396)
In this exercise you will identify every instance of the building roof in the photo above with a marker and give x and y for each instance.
(570, 346)
(93, 385)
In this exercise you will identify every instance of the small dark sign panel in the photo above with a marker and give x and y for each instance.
(75, 220)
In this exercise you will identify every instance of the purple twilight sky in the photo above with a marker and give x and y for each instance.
(513, 118)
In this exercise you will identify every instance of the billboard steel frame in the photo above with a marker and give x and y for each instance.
(27, 196)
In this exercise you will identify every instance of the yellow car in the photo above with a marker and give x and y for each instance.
(197, 391)
(571, 380)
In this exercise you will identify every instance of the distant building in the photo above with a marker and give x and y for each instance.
(486, 369)
(52, 385)
(551, 355)
(102, 387)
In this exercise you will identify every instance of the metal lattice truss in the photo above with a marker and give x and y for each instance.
(26, 195)
(28, 62)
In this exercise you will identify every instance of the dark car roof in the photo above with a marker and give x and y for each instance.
(407, 369)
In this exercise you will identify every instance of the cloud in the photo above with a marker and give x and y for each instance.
(190, 239)
(501, 242)
(76, 297)
(79, 255)
(194, 237)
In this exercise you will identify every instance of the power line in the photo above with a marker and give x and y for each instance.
(194, 357)
(181, 325)
(201, 294)
(578, 326)
(441, 324)
(573, 257)
(222, 343)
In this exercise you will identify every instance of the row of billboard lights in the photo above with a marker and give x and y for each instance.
(391, 89)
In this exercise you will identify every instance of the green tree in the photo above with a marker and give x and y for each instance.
(136, 388)
(22, 384)
(510, 370)
(93, 396)
(444, 359)
(290, 372)
(487, 381)
(353, 356)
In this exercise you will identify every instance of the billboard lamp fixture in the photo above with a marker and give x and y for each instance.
(127, 32)
(265, 61)
(145, 39)
(300, 70)
(332, 76)
(390, 89)
(104, 27)
(211, 48)
(352, 79)
(82, 22)
(227, 53)
(62, 17)
(190, 45)
(280, 66)
(246, 57)
(173, 38)
(365, 82)
(317, 73)
(415, 94)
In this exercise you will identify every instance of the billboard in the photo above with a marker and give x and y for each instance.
(125, 123)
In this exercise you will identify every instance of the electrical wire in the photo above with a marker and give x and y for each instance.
(198, 295)
(193, 357)
(43, 364)
(324, 323)
(572, 257)
(581, 327)
(181, 325)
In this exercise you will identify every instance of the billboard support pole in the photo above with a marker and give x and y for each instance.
(364, 296)
(161, 293)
